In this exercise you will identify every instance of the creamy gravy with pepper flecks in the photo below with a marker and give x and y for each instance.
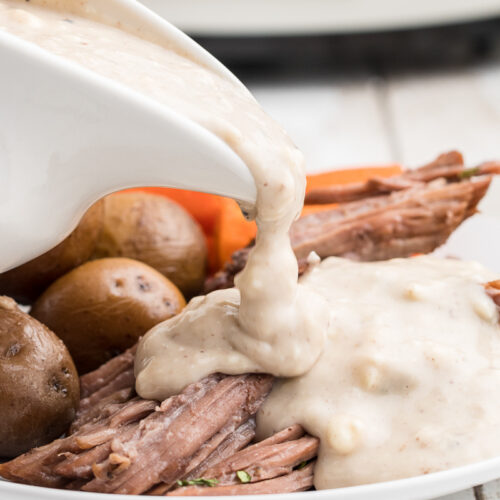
(391, 364)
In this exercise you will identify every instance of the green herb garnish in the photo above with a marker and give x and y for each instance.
(243, 476)
(200, 481)
(468, 173)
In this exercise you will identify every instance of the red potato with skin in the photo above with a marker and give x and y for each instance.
(39, 386)
(26, 282)
(102, 307)
(157, 231)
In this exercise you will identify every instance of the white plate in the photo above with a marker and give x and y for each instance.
(416, 488)
(275, 17)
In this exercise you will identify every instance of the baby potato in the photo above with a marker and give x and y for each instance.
(26, 282)
(157, 231)
(39, 386)
(102, 308)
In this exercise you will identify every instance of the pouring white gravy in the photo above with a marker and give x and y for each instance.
(279, 326)
(391, 363)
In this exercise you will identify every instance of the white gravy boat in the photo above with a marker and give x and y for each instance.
(69, 136)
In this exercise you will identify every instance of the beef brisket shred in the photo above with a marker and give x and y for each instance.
(381, 219)
(449, 166)
(278, 464)
(298, 480)
(105, 376)
(121, 443)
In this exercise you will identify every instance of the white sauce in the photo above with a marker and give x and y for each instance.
(394, 363)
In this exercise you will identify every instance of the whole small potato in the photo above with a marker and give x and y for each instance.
(39, 386)
(25, 283)
(157, 231)
(102, 308)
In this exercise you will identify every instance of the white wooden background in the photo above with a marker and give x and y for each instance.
(407, 119)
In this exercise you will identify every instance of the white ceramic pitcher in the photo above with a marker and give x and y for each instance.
(69, 136)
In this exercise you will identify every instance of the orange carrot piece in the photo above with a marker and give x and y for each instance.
(349, 175)
(232, 231)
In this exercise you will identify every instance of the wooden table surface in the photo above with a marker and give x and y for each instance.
(405, 117)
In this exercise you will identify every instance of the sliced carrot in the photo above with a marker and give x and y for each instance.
(345, 176)
(349, 175)
(232, 231)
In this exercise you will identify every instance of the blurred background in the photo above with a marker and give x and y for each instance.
(362, 82)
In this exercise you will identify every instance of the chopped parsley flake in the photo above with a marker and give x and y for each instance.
(200, 481)
(243, 476)
(468, 173)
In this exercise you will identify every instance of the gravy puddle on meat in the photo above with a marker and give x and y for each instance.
(405, 382)
(389, 364)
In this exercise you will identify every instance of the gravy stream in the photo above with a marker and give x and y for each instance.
(389, 364)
